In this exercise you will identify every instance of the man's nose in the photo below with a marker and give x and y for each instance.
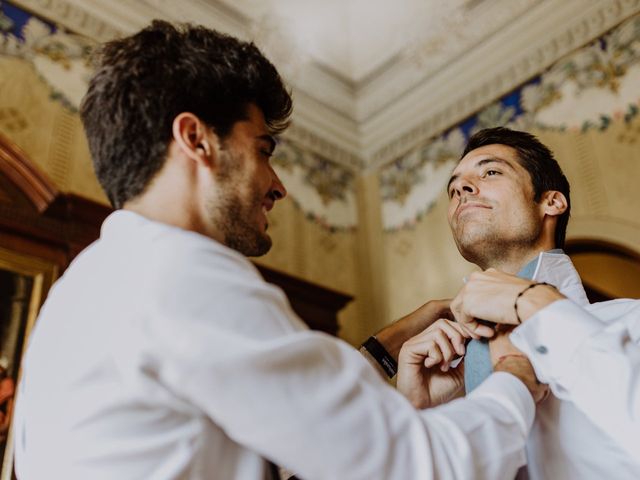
(278, 192)
(465, 186)
(469, 187)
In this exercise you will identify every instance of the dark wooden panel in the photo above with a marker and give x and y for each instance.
(316, 305)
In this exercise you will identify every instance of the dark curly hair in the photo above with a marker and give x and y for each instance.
(142, 82)
(537, 159)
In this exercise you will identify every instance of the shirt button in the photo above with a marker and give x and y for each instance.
(541, 349)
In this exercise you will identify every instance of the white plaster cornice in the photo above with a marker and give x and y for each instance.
(324, 131)
(73, 17)
(372, 122)
(104, 20)
(322, 122)
(307, 139)
(525, 48)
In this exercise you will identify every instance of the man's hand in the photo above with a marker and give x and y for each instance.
(424, 376)
(393, 336)
(505, 357)
(491, 295)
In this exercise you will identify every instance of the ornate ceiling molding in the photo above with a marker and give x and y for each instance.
(308, 140)
(369, 124)
(465, 87)
(77, 19)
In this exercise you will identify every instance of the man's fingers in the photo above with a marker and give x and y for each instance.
(441, 343)
(458, 327)
(430, 362)
(446, 349)
(474, 329)
(434, 355)
(456, 336)
(477, 330)
(421, 349)
(483, 330)
(450, 338)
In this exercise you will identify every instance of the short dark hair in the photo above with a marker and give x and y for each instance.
(537, 159)
(142, 82)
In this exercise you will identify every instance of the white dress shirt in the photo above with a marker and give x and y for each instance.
(161, 354)
(590, 356)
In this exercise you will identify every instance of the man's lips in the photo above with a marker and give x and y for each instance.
(468, 206)
(267, 205)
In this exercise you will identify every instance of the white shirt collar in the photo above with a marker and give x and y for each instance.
(556, 268)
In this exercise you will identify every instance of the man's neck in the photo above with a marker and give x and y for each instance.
(513, 263)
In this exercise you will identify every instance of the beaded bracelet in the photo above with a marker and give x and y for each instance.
(529, 287)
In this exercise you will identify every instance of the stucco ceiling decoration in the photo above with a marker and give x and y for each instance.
(358, 40)
(353, 39)
(357, 57)
(373, 79)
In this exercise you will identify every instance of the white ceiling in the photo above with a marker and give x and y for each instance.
(356, 38)
(373, 78)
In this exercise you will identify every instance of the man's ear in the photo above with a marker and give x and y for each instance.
(554, 203)
(194, 139)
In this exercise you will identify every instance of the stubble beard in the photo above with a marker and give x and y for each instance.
(233, 214)
(487, 247)
(233, 218)
(241, 234)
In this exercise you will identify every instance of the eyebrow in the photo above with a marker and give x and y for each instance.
(270, 139)
(480, 163)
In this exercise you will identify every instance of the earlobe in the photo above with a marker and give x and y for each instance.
(555, 203)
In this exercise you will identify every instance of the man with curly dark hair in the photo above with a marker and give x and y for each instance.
(146, 81)
(162, 354)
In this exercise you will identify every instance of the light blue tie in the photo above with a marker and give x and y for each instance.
(477, 361)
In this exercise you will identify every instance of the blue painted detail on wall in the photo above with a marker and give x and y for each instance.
(19, 18)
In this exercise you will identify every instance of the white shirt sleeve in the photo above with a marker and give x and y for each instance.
(229, 343)
(594, 365)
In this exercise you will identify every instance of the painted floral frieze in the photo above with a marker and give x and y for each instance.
(585, 90)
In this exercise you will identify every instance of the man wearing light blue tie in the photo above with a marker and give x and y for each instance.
(508, 212)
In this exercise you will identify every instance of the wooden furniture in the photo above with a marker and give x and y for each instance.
(317, 306)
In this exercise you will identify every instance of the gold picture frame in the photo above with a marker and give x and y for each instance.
(41, 275)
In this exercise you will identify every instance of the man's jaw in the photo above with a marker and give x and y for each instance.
(476, 244)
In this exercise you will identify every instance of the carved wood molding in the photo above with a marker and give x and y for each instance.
(33, 183)
(317, 306)
(39, 212)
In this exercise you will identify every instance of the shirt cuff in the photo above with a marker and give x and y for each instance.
(551, 337)
(510, 392)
